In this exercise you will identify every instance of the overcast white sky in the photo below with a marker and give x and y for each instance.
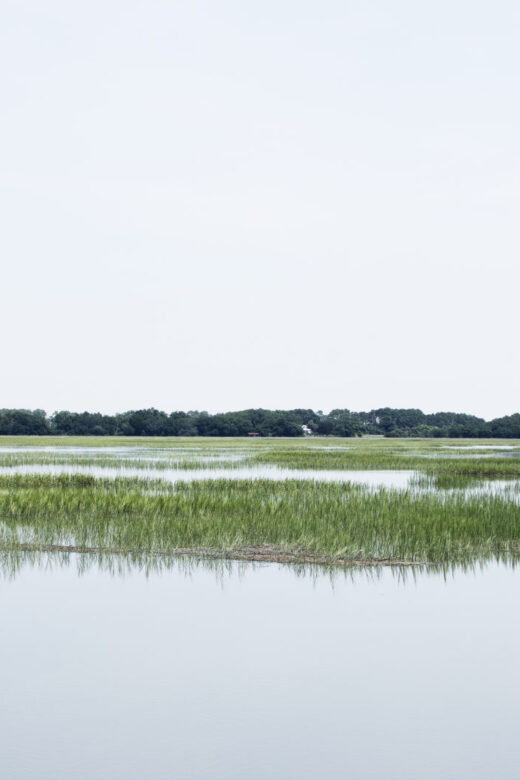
(219, 205)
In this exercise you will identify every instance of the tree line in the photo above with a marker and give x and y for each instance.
(263, 422)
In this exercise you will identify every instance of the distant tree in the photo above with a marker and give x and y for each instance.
(23, 422)
(265, 422)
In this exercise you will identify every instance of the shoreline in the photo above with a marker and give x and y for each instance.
(254, 553)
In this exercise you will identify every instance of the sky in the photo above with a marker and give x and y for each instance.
(280, 204)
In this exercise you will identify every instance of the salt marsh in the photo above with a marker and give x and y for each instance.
(364, 502)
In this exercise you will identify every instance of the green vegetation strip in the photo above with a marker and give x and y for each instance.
(374, 458)
(293, 520)
(432, 457)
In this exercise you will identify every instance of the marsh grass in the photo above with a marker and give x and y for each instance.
(386, 459)
(431, 457)
(445, 518)
(99, 461)
(303, 521)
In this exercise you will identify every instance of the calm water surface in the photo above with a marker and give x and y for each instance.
(373, 478)
(259, 673)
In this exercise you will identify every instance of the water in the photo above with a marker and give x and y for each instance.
(399, 479)
(464, 447)
(259, 673)
(150, 454)
(168, 464)
(460, 452)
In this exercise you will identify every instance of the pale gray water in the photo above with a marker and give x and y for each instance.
(392, 479)
(463, 447)
(151, 454)
(71, 450)
(261, 675)
(170, 466)
(458, 454)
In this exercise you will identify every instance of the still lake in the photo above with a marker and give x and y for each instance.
(249, 671)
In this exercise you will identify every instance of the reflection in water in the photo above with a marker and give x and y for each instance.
(241, 671)
(14, 561)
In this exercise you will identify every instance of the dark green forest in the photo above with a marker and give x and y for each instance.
(263, 422)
